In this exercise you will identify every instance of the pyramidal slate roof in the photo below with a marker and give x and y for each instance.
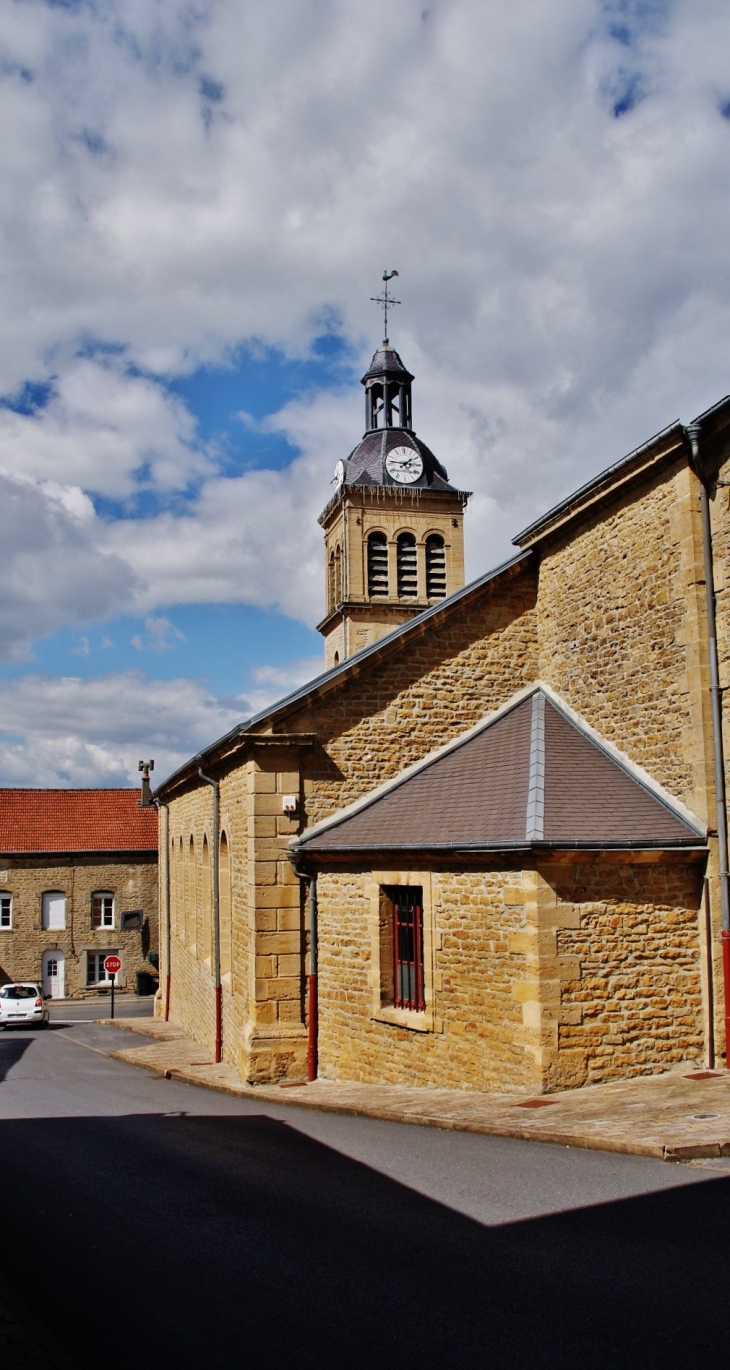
(366, 463)
(533, 775)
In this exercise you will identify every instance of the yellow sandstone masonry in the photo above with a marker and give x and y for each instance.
(133, 884)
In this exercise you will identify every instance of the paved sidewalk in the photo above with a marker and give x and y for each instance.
(677, 1117)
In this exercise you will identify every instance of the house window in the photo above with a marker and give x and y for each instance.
(53, 909)
(407, 932)
(377, 564)
(6, 910)
(435, 567)
(95, 972)
(102, 910)
(407, 566)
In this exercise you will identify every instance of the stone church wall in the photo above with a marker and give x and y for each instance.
(581, 974)
(622, 635)
(636, 1006)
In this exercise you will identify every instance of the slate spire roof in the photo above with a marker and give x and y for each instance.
(533, 775)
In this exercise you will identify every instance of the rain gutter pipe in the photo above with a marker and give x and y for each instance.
(693, 433)
(160, 804)
(216, 916)
(312, 1015)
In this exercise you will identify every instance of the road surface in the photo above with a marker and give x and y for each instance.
(159, 1223)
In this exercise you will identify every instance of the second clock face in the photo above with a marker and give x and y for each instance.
(404, 464)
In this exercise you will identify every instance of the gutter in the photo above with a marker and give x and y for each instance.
(312, 1004)
(160, 804)
(216, 915)
(693, 433)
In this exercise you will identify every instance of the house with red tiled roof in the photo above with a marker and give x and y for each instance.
(78, 882)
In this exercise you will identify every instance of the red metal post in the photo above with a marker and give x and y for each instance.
(312, 1028)
(218, 1023)
(167, 997)
(725, 938)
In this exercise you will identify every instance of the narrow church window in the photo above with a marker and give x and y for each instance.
(407, 904)
(225, 897)
(190, 894)
(407, 566)
(435, 567)
(331, 600)
(377, 564)
(6, 911)
(206, 938)
(338, 575)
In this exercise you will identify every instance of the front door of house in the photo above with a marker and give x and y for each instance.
(54, 974)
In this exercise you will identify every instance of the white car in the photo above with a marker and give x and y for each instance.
(23, 1005)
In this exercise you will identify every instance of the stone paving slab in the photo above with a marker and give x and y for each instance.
(679, 1116)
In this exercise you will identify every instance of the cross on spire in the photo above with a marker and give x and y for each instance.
(386, 300)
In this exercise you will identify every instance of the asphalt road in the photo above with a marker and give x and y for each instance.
(148, 1221)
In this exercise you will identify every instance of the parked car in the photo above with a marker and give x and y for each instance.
(23, 1005)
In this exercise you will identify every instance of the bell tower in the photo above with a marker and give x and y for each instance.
(394, 527)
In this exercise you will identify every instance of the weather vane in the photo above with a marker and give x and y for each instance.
(386, 300)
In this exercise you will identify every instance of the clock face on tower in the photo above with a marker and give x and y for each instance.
(339, 474)
(404, 464)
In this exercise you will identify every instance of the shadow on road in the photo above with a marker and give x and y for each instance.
(12, 1049)
(217, 1240)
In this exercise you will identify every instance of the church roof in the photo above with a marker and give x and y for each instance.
(366, 463)
(532, 775)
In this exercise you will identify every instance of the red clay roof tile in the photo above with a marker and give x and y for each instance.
(75, 821)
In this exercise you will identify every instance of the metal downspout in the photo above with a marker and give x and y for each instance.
(693, 433)
(216, 916)
(160, 804)
(312, 1007)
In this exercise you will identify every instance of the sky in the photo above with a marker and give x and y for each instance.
(199, 200)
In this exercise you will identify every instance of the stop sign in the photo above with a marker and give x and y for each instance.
(112, 964)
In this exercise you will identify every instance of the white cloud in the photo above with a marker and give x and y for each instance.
(180, 179)
(68, 731)
(53, 567)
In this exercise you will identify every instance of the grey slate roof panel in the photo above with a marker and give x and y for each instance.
(448, 801)
(532, 775)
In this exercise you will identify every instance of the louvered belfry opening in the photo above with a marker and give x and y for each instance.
(377, 564)
(407, 903)
(435, 567)
(407, 566)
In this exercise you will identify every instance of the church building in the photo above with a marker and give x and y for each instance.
(487, 847)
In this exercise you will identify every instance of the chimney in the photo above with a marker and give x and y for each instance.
(146, 796)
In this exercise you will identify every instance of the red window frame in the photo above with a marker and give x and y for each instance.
(408, 989)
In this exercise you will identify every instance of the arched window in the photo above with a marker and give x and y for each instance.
(225, 905)
(338, 575)
(331, 589)
(435, 567)
(407, 566)
(190, 894)
(207, 927)
(179, 892)
(377, 564)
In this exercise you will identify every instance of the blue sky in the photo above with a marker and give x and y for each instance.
(199, 203)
